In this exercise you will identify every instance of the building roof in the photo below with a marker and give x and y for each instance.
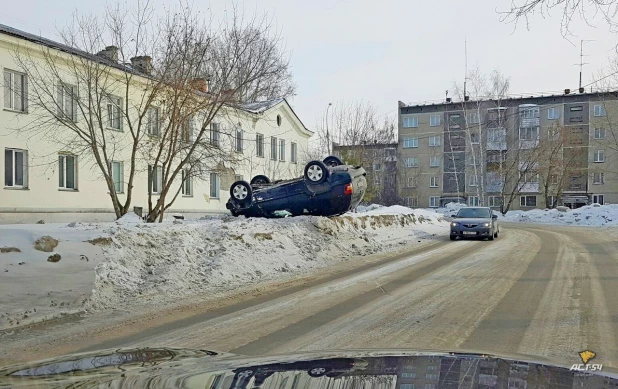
(259, 107)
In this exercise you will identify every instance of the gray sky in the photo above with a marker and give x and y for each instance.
(390, 50)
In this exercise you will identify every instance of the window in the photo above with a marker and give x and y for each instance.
(239, 177)
(155, 178)
(553, 179)
(527, 201)
(531, 176)
(432, 367)
(434, 120)
(473, 201)
(431, 377)
(474, 118)
(411, 162)
(496, 135)
(114, 119)
(529, 113)
(529, 133)
(281, 150)
(117, 170)
(577, 108)
(406, 386)
(186, 130)
(433, 181)
(434, 201)
(599, 156)
(410, 122)
(495, 201)
(293, 152)
(152, 121)
(67, 172)
(551, 201)
(67, 101)
(434, 161)
(377, 179)
(597, 178)
(454, 116)
(15, 91)
(15, 168)
(215, 134)
(599, 199)
(599, 133)
(377, 167)
(410, 142)
(187, 183)
(599, 110)
(273, 148)
(239, 140)
(259, 145)
(411, 182)
(474, 138)
(214, 185)
(434, 141)
(553, 113)
(473, 180)
(408, 375)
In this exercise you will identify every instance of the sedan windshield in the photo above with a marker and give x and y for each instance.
(474, 213)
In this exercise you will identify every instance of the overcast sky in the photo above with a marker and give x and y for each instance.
(390, 50)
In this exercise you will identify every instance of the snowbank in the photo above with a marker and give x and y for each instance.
(590, 215)
(108, 265)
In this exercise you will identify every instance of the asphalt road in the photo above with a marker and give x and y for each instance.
(537, 290)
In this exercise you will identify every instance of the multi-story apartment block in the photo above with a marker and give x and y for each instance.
(42, 179)
(515, 153)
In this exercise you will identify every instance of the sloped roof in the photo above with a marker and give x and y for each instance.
(259, 107)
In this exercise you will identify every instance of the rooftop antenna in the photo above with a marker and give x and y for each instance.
(581, 60)
(465, 65)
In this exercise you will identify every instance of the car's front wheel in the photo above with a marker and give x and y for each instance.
(453, 237)
(492, 236)
(318, 371)
(316, 172)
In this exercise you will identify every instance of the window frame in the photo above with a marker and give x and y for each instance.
(187, 183)
(432, 122)
(293, 152)
(601, 180)
(215, 134)
(415, 165)
(434, 181)
(602, 112)
(410, 143)
(379, 165)
(412, 119)
(491, 200)
(273, 148)
(259, 145)
(121, 178)
(435, 200)
(435, 141)
(524, 199)
(474, 118)
(411, 185)
(12, 93)
(115, 102)
(62, 89)
(153, 124)
(155, 178)
(598, 156)
(24, 184)
(239, 144)
(281, 150)
(217, 188)
(599, 196)
(473, 181)
(62, 172)
(555, 113)
(434, 161)
(601, 131)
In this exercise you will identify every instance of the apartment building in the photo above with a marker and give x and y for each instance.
(520, 153)
(381, 164)
(46, 179)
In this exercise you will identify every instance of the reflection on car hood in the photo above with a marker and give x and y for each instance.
(472, 220)
(181, 368)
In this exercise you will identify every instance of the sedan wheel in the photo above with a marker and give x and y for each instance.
(317, 371)
(315, 173)
(240, 192)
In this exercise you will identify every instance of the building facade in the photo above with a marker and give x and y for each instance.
(515, 153)
(42, 180)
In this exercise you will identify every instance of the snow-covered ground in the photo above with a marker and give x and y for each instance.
(132, 261)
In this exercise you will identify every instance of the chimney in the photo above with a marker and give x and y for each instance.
(567, 91)
(466, 98)
(110, 52)
(581, 90)
(448, 100)
(200, 84)
(142, 64)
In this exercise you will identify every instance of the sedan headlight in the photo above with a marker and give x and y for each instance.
(454, 224)
(485, 224)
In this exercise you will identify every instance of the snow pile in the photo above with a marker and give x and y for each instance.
(220, 254)
(450, 209)
(129, 218)
(370, 207)
(589, 215)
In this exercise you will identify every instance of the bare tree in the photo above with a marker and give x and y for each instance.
(411, 183)
(569, 9)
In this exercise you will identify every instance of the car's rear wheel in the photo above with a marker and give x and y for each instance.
(241, 192)
(318, 371)
(316, 172)
(260, 180)
(332, 161)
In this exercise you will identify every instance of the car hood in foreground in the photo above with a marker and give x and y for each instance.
(181, 368)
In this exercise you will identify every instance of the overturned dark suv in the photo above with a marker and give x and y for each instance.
(327, 188)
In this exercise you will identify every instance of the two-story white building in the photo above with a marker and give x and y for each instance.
(42, 181)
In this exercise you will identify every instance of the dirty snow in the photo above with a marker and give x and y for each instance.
(589, 215)
(183, 258)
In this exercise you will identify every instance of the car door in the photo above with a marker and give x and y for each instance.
(274, 198)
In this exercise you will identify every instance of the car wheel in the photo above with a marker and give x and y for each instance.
(332, 161)
(453, 237)
(241, 192)
(317, 371)
(260, 180)
(316, 172)
(496, 234)
(491, 237)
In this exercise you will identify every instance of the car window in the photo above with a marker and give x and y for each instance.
(474, 213)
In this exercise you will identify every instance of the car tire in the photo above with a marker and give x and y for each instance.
(260, 180)
(453, 237)
(316, 172)
(491, 237)
(332, 161)
(241, 192)
(317, 371)
(496, 234)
